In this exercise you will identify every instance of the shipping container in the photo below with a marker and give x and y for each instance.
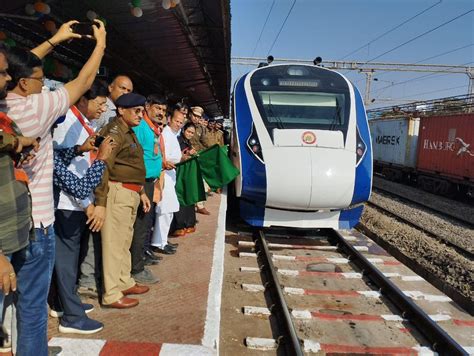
(446, 147)
(394, 141)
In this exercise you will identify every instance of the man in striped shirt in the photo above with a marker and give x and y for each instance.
(35, 113)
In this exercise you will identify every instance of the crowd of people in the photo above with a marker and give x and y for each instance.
(87, 190)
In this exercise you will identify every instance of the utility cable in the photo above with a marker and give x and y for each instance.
(263, 28)
(433, 91)
(420, 35)
(282, 25)
(393, 29)
(385, 72)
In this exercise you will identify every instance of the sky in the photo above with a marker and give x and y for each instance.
(332, 29)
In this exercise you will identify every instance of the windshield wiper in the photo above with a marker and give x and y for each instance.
(336, 120)
(277, 118)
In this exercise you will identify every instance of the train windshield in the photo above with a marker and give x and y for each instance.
(301, 97)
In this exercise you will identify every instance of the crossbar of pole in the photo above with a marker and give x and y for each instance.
(293, 345)
(347, 64)
(439, 339)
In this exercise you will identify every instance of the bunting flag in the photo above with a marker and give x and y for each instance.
(216, 167)
(189, 186)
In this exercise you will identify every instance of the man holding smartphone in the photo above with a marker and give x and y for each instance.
(35, 112)
(72, 213)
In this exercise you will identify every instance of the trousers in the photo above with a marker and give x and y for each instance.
(117, 234)
(141, 229)
(161, 230)
(71, 228)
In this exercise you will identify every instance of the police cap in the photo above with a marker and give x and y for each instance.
(130, 100)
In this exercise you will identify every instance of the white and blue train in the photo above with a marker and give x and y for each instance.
(301, 141)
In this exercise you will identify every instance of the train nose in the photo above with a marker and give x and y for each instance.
(309, 177)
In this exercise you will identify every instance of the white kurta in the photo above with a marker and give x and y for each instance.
(169, 203)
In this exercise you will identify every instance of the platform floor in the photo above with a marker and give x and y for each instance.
(171, 316)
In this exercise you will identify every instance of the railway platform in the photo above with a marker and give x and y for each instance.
(178, 316)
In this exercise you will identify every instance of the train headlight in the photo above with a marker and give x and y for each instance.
(360, 148)
(253, 144)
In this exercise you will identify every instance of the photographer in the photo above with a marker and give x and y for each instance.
(35, 112)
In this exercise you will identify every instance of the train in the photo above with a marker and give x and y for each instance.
(302, 144)
(433, 152)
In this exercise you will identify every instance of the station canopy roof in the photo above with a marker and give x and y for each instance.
(181, 52)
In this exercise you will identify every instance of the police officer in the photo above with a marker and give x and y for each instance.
(117, 201)
(196, 116)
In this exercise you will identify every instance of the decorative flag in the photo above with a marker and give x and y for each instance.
(189, 186)
(217, 169)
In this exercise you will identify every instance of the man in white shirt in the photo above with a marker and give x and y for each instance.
(71, 214)
(169, 204)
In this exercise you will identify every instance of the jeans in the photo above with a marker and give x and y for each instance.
(34, 267)
(71, 228)
(90, 261)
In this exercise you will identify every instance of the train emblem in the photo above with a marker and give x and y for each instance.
(308, 137)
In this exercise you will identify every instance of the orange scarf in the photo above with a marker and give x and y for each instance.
(8, 126)
(90, 131)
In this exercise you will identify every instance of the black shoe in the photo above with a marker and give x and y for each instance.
(167, 250)
(150, 254)
(173, 245)
(150, 262)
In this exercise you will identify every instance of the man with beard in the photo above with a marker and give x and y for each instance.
(148, 133)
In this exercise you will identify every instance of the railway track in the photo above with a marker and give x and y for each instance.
(468, 253)
(359, 281)
(428, 207)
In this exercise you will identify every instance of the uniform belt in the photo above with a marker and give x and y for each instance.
(131, 186)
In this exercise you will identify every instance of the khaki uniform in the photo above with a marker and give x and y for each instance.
(125, 165)
(214, 137)
(197, 139)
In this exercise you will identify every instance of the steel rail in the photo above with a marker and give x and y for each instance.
(440, 341)
(428, 207)
(291, 341)
(460, 249)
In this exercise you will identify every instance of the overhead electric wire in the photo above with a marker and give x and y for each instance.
(431, 92)
(263, 28)
(444, 53)
(419, 36)
(282, 25)
(393, 29)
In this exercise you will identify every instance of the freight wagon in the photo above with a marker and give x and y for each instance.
(434, 152)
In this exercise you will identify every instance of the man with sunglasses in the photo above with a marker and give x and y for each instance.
(149, 135)
(117, 199)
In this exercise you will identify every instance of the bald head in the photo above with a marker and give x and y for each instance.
(121, 85)
(176, 121)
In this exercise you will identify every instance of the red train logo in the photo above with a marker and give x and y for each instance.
(308, 137)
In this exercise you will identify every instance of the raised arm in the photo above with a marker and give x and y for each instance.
(77, 87)
(64, 34)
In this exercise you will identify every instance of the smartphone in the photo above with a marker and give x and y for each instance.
(83, 28)
(23, 155)
(98, 141)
